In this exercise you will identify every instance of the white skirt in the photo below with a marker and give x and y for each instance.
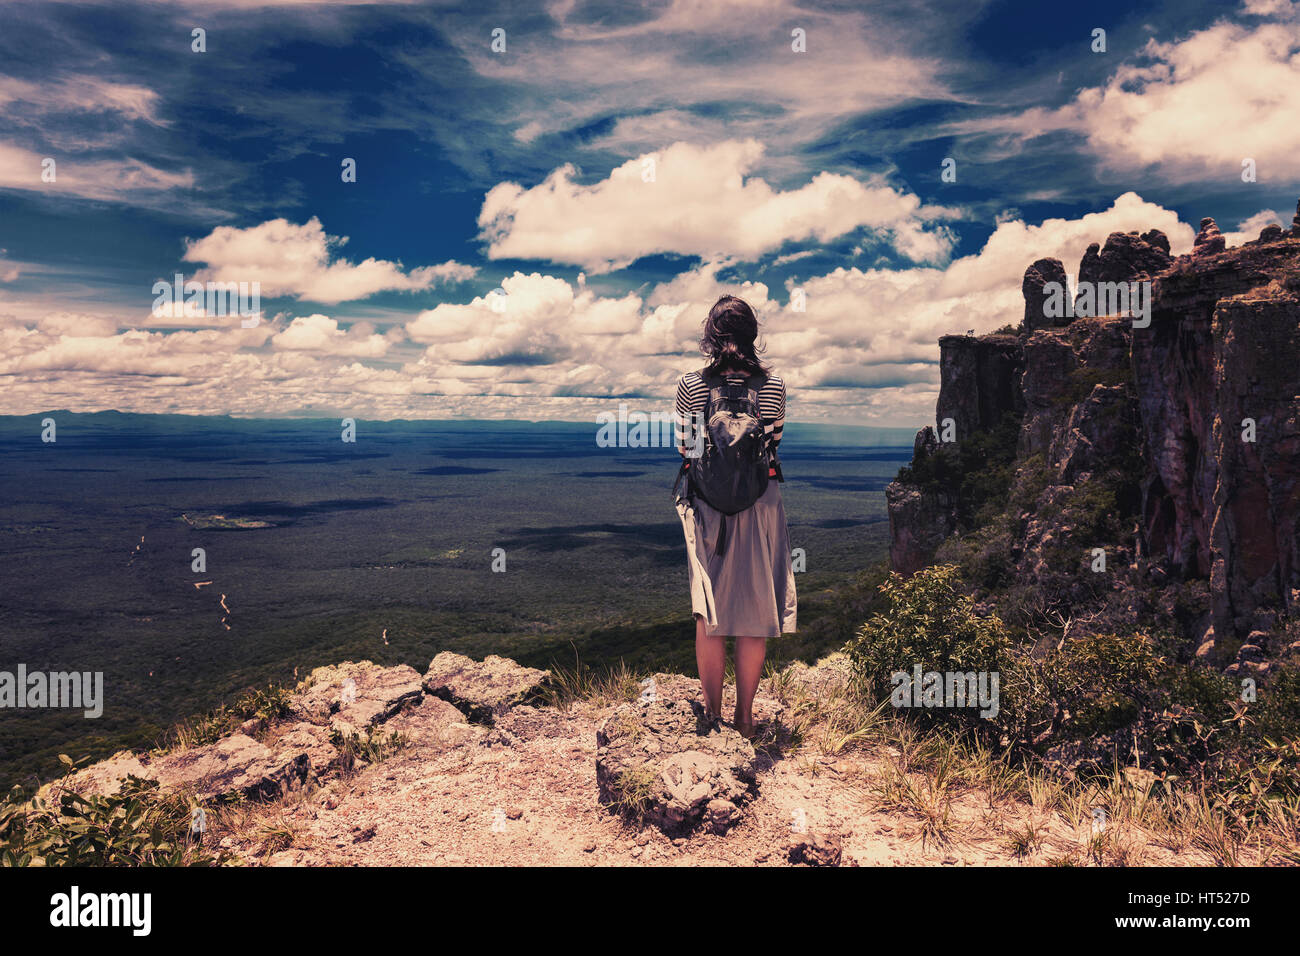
(748, 590)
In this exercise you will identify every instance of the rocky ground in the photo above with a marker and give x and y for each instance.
(487, 775)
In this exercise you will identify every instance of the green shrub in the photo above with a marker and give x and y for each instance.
(375, 747)
(137, 826)
(264, 705)
(927, 620)
(1079, 383)
(1103, 681)
(977, 472)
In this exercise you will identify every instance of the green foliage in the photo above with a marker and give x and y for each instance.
(262, 705)
(926, 620)
(977, 472)
(612, 684)
(1079, 384)
(373, 747)
(137, 826)
(633, 789)
(1277, 711)
(1184, 722)
(1097, 683)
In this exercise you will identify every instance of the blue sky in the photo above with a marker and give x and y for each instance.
(612, 171)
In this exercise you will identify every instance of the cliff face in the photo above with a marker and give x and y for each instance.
(978, 380)
(919, 518)
(1181, 436)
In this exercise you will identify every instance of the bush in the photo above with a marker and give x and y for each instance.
(263, 705)
(1101, 682)
(926, 620)
(135, 827)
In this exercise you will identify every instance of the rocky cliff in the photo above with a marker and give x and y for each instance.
(1170, 441)
(477, 763)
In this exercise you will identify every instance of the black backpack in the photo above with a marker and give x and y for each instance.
(732, 472)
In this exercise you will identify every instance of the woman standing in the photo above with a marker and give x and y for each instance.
(742, 582)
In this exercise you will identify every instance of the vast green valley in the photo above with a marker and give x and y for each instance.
(382, 548)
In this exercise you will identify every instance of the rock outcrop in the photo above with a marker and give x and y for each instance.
(540, 785)
(1200, 409)
(663, 760)
(1037, 276)
(978, 381)
(1126, 257)
(482, 690)
(1209, 240)
(264, 759)
(657, 756)
(352, 697)
(920, 519)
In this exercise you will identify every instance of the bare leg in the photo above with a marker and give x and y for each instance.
(750, 652)
(711, 658)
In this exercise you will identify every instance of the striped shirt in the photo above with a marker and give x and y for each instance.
(693, 395)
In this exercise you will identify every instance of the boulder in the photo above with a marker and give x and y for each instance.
(434, 725)
(234, 765)
(1209, 240)
(105, 777)
(1037, 276)
(679, 770)
(815, 849)
(311, 740)
(237, 764)
(352, 697)
(482, 690)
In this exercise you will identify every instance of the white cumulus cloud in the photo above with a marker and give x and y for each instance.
(700, 201)
(299, 260)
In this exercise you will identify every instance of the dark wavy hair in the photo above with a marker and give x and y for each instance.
(729, 338)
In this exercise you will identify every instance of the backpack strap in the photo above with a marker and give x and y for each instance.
(682, 486)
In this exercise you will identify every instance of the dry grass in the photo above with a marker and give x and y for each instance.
(613, 685)
(1026, 811)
